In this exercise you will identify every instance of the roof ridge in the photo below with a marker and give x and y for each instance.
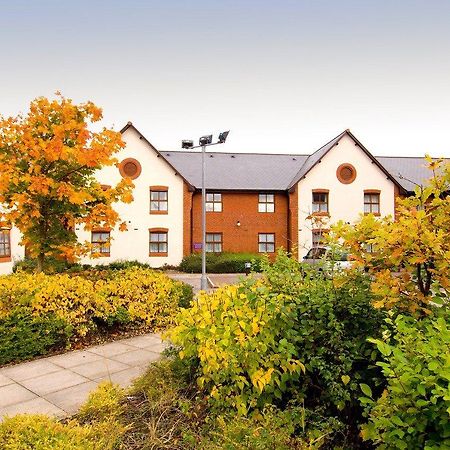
(237, 153)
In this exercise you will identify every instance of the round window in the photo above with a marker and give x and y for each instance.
(346, 173)
(130, 168)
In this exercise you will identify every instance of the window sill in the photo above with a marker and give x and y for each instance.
(5, 259)
(321, 213)
(101, 255)
(158, 254)
(159, 212)
(373, 214)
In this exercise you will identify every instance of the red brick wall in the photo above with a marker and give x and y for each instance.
(187, 225)
(242, 207)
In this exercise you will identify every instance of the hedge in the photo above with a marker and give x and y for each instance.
(221, 262)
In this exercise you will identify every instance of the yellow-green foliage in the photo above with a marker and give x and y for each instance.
(38, 432)
(142, 295)
(238, 334)
(147, 296)
(103, 403)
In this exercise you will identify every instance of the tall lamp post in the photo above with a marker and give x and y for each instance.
(204, 141)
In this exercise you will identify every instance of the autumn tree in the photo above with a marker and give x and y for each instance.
(48, 161)
(409, 258)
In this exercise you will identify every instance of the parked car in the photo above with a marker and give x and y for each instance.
(327, 257)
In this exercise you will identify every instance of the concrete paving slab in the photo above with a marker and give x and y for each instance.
(137, 357)
(53, 382)
(14, 393)
(35, 406)
(125, 377)
(76, 358)
(31, 369)
(97, 369)
(143, 341)
(111, 349)
(5, 380)
(72, 398)
(59, 385)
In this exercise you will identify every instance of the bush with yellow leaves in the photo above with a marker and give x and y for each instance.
(240, 338)
(50, 309)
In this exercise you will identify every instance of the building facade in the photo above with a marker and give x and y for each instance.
(255, 202)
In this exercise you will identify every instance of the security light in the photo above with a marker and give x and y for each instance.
(223, 136)
(205, 140)
(187, 144)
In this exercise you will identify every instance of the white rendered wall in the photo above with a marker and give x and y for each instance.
(134, 243)
(17, 252)
(345, 201)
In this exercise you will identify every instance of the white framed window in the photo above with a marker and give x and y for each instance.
(214, 202)
(266, 242)
(266, 203)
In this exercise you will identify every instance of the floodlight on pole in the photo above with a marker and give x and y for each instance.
(223, 137)
(204, 141)
(187, 144)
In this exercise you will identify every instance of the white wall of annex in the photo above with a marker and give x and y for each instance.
(346, 201)
(134, 243)
(17, 252)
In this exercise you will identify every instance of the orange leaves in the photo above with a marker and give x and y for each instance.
(48, 162)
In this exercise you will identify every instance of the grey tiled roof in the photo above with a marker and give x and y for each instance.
(278, 172)
(408, 171)
(237, 171)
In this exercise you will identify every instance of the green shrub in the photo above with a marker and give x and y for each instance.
(414, 410)
(249, 342)
(186, 296)
(221, 262)
(23, 336)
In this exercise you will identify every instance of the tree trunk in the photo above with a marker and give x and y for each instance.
(40, 263)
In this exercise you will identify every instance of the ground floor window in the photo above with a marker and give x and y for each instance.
(5, 244)
(318, 238)
(214, 242)
(266, 242)
(158, 242)
(101, 242)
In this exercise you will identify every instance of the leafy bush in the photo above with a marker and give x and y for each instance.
(221, 262)
(38, 432)
(414, 410)
(23, 336)
(39, 311)
(242, 338)
(103, 403)
(250, 343)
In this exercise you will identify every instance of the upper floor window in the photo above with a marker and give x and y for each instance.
(214, 202)
(266, 242)
(320, 201)
(159, 200)
(5, 243)
(372, 202)
(266, 203)
(214, 242)
(101, 242)
(130, 168)
(158, 245)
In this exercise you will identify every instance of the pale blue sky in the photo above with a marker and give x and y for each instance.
(284, 76)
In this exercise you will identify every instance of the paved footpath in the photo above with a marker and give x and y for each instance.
(59, 385)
